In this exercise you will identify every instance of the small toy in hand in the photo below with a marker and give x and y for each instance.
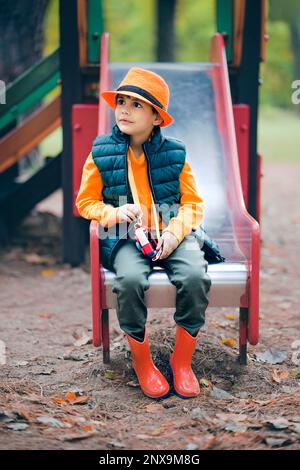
(145, 242)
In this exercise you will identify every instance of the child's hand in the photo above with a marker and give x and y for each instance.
(129, 213)
(169, 243)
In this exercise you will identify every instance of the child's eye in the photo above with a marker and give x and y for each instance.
(120, 100)
(136, 104)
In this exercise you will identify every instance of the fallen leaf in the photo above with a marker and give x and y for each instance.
(77, 436)
(23, 414)
(272, 356)
(234, 427)
(285, 305)
(115, 443)
(143, 436)
(295, 373)
(48, 272)
(157, 432)
(232, 417)
(75, 397)
(21, 363)
(205, 442)
(78, 356)
(228, 342)
(272, 248)
(296, 427)
(279, 375)
(110, 374)
(191, 446)
(40, 371)
(133, 384)
(205, 383)
(154, 408)
(254, 425)
(272, 442)
(279, 423)
(117, 345)
(71, 398)
(198, 413)
(286, 389)
(84, 339)
(51, 422)
(220, 394)
(169, 404)
(88, 428)
(33, 258)
(45, 315)
(7, 417)
(231, 316)
(17, 426)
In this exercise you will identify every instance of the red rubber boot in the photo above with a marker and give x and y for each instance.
(186, 384)
(151, 380)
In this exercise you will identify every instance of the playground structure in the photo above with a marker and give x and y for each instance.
(221, 144)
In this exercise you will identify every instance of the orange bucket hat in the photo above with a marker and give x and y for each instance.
(146, 86)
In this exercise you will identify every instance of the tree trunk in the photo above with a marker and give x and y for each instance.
(165, 20)
(295, 44)
(22, 39)
(21, 46)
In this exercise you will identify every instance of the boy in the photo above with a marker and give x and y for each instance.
(159, 168)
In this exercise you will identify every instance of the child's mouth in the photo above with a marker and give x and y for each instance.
(124, 121)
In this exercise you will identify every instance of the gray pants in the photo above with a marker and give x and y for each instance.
(186, 269)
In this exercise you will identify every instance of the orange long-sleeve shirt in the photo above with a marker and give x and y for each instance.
(90, 205)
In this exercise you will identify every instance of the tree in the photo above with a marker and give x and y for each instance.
(21, 46)
(289, 12)
(165, 17)
(21, 26)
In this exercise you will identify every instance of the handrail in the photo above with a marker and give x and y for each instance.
(241, 218)
(30, 87)
(18, 142)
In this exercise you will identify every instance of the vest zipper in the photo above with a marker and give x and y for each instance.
(126, 170)
(128, 186)
(149, 174)
(128, 192)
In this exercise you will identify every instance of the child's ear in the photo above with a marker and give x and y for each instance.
(158, 120)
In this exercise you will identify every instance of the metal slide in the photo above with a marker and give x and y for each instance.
(201, 106)
(196, 102)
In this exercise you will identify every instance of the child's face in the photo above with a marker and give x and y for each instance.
(135, 117)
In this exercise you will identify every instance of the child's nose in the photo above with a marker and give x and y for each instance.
(125, 109)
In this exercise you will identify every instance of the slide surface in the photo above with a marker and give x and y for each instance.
(196, 105)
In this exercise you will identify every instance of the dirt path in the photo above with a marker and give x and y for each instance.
(55, 394)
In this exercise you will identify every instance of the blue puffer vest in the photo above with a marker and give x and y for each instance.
(165, 160)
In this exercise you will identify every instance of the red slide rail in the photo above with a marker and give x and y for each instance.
(100, 320)
(246, 228)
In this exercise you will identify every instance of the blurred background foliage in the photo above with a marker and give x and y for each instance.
(133, 32)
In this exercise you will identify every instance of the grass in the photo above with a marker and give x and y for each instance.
(51, 145)
(51, 27)
(278, 135)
